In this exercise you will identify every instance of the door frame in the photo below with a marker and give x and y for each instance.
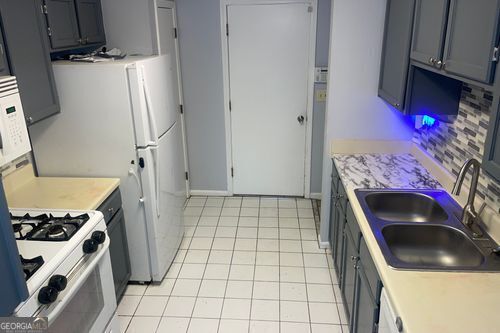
(171, 5)
(310, 84)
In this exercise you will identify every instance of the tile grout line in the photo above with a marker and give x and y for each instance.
(206, 263)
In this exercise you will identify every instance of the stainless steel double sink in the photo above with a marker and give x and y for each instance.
(421, 230)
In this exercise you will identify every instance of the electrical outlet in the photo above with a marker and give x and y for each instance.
(321, 96)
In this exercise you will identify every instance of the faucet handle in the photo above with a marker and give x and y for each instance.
(481, 209)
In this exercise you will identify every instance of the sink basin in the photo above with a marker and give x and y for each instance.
(437, 242)
(431, 246)
(405, 207)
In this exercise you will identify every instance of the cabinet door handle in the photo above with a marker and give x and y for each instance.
(432, 61)
(439, 64)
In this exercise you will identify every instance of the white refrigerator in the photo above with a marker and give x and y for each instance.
(121, 119)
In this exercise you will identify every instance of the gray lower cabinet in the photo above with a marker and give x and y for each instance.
(90, 21)
(396, 52)
(4, 63)
(491, 158)
(472, 37)
(29, 57)
(337, 221)
(62, 25)
(429, 30)
(359, 281)
(350, 258)
(365, 318)
(112, 210)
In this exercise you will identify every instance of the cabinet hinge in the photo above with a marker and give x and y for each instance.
(230, 106)
(310, 9)
(495, 54)
(227, 29)
(232, 172)
(49, 31)
(175, 32)
(44, 9)
(187, 176)
(181, 109)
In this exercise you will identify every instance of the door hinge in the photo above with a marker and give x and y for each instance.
(187, 176)
(227, 29)
(495, 54)
(310, 9)
(44, 9)
(232, 172)
(181, 109)
(49, 31)
(175, 32)
(230, 106)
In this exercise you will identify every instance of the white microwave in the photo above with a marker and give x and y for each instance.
(14, 139)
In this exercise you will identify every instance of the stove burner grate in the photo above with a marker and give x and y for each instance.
(47, 227)
(30, 266)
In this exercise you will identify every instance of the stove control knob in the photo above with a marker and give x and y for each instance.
(99, 236)
(47, 295)
(90, 246)
(58, 282)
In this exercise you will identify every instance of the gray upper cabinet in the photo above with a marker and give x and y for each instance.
(472, 36)
(491, 158)
(73, 24)
(395, 52)
(62, 25)
(4, 64)
(29, 59)
(90, 21)
(429, 30)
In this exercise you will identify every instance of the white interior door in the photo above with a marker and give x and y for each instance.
(268, 48)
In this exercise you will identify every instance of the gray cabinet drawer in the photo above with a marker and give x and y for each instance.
(111, 206)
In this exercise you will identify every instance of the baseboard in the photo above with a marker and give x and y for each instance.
(315, 196)
(323, 245)
(209, 193)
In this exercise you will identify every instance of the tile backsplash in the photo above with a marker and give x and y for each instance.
(453, 143)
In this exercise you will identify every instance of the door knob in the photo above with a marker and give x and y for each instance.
(300, 119)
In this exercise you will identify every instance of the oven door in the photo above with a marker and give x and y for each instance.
(88, 302)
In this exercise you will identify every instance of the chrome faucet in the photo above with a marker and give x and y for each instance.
(469, 214)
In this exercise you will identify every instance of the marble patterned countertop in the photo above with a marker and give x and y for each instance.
(383, 171)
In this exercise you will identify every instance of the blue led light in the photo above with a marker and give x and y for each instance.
(428, 121)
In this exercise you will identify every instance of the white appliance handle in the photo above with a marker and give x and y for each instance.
(132, 173)
(156, 157)
(149, 109)
(68, 296)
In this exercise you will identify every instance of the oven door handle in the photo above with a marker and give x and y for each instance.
(75, 287)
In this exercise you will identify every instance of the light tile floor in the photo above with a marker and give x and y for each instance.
(246, 264)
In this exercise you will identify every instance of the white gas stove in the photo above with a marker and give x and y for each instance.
(65, 257)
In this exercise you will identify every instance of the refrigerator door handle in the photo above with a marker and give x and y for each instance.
(149, 109)
(156, 157)
(132, 173)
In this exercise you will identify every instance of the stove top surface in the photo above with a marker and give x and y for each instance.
(46, 238)
(46, 227)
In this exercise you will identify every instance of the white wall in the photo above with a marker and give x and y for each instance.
(353, 109)
(201, 66)
(130, 25)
